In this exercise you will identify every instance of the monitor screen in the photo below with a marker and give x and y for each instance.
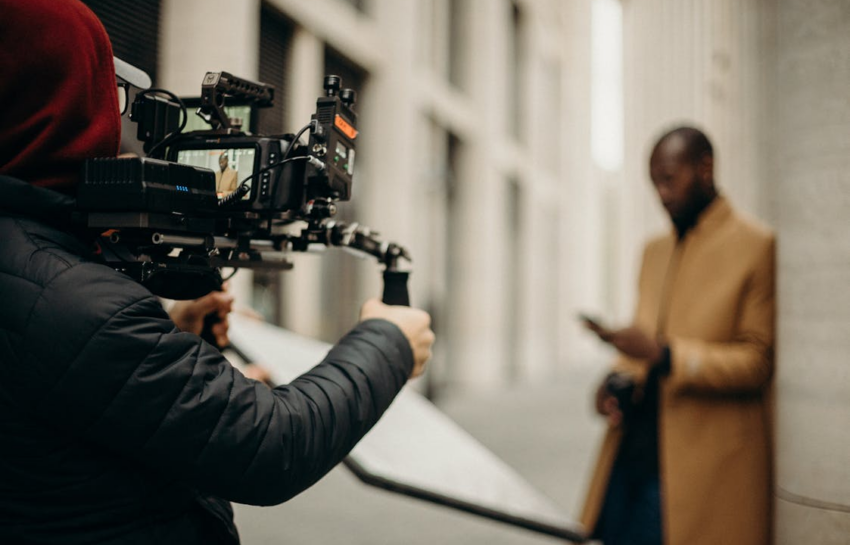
(231, 166)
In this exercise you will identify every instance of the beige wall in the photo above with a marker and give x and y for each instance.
(810, 198)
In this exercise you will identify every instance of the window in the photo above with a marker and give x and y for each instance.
(133, 28)
(442, 168)
(513, 277)
(516, 69)
(550, 110)
(275, 47)
(458, 43)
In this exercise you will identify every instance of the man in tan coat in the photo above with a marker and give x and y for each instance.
(687, 457)
(225, 178)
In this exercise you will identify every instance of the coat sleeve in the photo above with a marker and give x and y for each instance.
(745, 363)
(108, 367)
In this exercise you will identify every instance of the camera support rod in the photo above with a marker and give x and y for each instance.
(362, 239)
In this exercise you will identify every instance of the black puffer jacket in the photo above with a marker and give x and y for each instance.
(115, 427)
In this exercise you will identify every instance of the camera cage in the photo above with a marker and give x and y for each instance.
(163, 221)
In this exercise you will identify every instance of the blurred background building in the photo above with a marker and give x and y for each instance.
(505, 143)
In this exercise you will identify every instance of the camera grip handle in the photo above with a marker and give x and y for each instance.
(206, 333)
(395, 288)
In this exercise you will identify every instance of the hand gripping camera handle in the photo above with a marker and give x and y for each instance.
(395, 288)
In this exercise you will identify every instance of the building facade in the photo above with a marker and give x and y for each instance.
(477, 119)
(470, 154)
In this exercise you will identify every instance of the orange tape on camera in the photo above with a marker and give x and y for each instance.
(345, 127)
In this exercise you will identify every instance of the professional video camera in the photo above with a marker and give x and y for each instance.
(171, 222)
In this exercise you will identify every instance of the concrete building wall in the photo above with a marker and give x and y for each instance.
(810, 198)
(472, 154)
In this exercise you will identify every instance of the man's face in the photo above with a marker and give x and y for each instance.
(680, 183)
(222, 162)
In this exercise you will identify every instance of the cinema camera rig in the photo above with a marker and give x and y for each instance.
(171, 222)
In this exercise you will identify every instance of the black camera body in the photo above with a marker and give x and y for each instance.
(333, 143)
(207, 199)
(250, 155)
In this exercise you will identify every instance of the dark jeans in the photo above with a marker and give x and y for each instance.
(631, 514)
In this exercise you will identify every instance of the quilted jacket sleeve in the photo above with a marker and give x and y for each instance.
(106, 365)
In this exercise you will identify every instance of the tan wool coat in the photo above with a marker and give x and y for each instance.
(711, 296)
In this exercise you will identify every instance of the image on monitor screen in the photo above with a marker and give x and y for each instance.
(231, 166)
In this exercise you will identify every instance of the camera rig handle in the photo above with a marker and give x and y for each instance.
(363, 240)
(218, 85)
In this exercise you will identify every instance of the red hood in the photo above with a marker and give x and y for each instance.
(57, 91)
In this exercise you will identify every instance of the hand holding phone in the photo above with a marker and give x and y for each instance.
(592, 323)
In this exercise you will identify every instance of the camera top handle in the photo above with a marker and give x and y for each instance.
(217, 85)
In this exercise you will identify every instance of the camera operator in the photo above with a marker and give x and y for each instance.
(115, 426)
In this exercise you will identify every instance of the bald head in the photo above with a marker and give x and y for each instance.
(695, 144)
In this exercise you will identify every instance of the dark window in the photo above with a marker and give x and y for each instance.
(458, 43)
(513, 285)
(276, 34)
(443, 165)
(275, 52)
(516, 73)
(133, 28)
(353, 77)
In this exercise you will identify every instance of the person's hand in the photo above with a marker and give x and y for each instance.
(630, 341)
(189, 315)
(608, 406)
(256, 371)
(414, 323)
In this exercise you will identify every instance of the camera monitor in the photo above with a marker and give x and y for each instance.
(231, 166)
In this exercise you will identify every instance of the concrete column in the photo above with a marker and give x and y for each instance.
(200, 36)
(811, 205)
(387, 190)
(478, 319)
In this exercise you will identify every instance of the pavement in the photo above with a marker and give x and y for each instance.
(547, 432)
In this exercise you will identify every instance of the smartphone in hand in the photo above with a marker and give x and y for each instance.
(591, 321)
